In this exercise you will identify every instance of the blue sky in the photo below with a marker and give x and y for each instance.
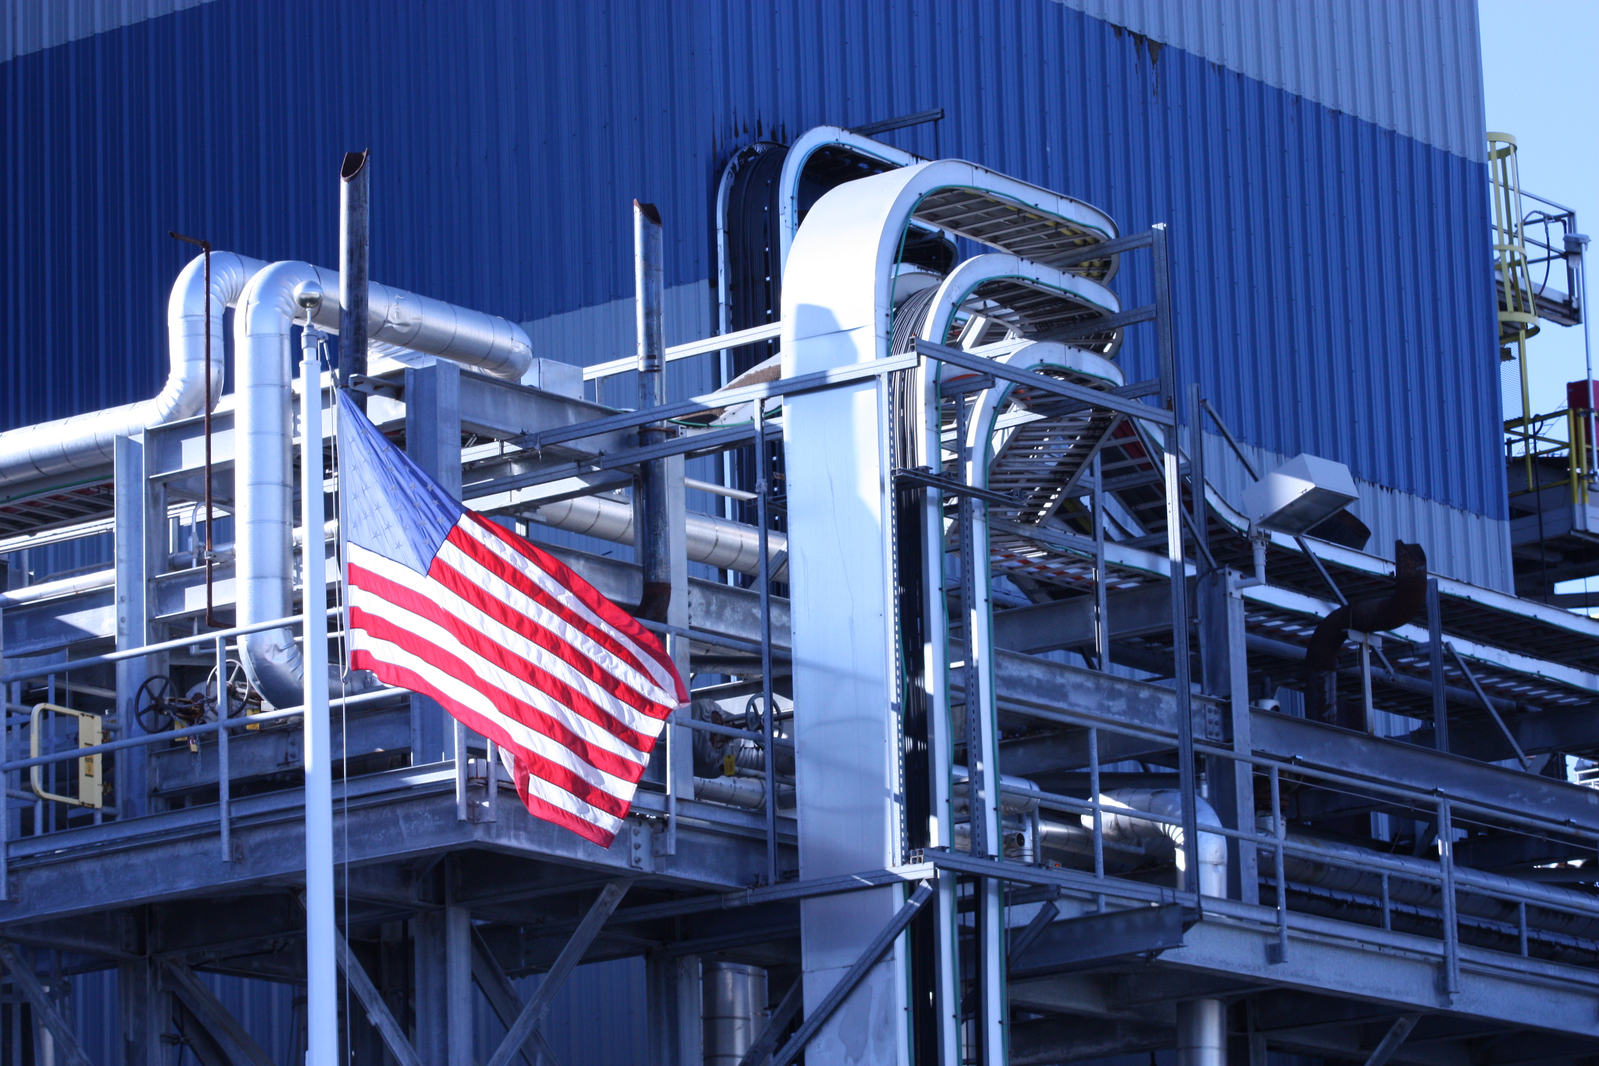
(1540, 61)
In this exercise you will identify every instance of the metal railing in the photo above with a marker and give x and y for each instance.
(1536, 442)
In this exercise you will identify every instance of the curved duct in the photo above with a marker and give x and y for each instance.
(718, 542)
(263, 430)
(84, 441)
(1201, 1023)
(1373, 615)
(1023, 296)
(1168, 803)
(854, 151)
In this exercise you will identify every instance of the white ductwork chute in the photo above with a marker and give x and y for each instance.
(86, 441)
(263, 432)
(838, 304)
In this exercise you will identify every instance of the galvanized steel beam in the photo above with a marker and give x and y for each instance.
(44, 1008)
(533, 1011)
(505, 1002)
(377, 1011)
(209, 1011)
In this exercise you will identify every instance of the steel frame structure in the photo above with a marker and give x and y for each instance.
(1391, 893)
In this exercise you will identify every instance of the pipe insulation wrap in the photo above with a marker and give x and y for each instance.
(264, 427)
(718, 542)
(1168, 803)
(87, 440)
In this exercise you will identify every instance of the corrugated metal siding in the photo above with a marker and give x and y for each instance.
(1330, 274)
(33, 25)
(264, 1008)
(1413, 66)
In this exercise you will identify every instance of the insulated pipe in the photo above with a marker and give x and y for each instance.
(746, 792)
(263, 429)
(1168, 803)
(85, 441)
(718, 542)
(1202, 1033)
(1201, 1023)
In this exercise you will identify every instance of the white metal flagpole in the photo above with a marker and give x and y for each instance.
(322, 999)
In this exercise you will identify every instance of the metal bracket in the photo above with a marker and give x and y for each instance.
(641, 846)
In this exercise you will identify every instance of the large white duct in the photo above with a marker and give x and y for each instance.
(263, 429)
(87, 440)
(1201, 1023)
(1211, 848)
(718, 542)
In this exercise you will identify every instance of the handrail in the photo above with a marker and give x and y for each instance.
(47, 669)
(764, 332)
(145, 739)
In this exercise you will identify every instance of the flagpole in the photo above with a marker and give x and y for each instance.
(322, 1013)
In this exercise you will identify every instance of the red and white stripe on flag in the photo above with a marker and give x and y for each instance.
(522, 650)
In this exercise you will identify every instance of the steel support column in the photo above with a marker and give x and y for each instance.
(458, 984)
(1225, 675)
(144, 1013)
(430, 1037)
(133, 506)
(673, 987)
(433, 439)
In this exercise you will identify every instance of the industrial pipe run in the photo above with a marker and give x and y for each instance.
(87, 440)
(263, 431)
(1201, 1023)
(718, 542)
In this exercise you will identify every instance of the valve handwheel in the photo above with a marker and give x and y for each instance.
(153, 703)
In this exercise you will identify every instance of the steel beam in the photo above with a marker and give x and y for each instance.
(377, 1011)
(433, 440)
(209, 1011)
(458, 984)
(143, 1013)
(1053, 386)
(45, 1010)
(1030, 683)
(132, 618)
(533, 1011)
(846, 984)
(1392, 1039)
(784, 1013)
(505, 1002)
(1225, 675)
(1403, 976)
(1070, 623)
(1094, 939)
(430, 979)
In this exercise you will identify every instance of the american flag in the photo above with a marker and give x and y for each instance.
(510, 641)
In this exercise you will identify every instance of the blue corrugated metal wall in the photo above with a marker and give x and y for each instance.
(1331, 277)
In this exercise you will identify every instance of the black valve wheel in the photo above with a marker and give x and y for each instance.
(153, 704)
